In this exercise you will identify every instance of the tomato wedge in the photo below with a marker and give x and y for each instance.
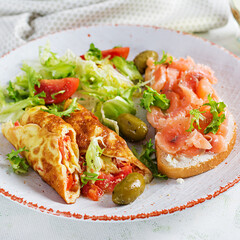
(52, 88)
(118, 51)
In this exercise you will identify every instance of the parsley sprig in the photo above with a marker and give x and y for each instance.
(196, 116)
(166, 59)
(216, 109)
(146, 158)
(153, 98)
(58, 109)
(19, 165)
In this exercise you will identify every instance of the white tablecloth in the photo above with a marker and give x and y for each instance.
(217, 219)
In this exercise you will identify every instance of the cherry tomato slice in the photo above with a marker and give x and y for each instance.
(53, 86)
(119, 51)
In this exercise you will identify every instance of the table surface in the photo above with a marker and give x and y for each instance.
(218, 218)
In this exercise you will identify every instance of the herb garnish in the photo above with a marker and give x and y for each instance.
(196, 116)
(166, 59)
(216, 109)
(58, 109)
(146, 158)
(19, 165)
(153, 98)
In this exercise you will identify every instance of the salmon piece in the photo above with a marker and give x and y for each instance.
(223, 128)
(197, 140)
(205, 88)
(154, 116)
(172, 79)
(150, 69)
(218, 143)
(182, 64)
(191, 152)
(199, 72)
(172, 137)
(190, 96)
(160, 76)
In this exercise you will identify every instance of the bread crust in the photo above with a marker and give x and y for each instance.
(201, 167)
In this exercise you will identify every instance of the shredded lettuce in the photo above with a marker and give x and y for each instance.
(53, 66)
(93, 156)
(13, 111)
(93, 53)
(127, 68)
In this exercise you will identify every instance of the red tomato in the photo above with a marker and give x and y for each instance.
(110, 181)
(92, 191)
(121, 52)
(17, 124)
(69, 180)
(52, 86)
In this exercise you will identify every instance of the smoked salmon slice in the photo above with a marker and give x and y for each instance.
(187, 85)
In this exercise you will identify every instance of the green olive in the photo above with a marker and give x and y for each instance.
(128, 189)
(132, 127)
(141, 60)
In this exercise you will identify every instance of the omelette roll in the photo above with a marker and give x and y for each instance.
(116, 152)
(53, 151)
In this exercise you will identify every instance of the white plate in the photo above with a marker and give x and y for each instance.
(159, 197)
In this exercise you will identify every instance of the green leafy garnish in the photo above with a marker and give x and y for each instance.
(87, 176)
(166, 59)
(146, 158)
(93, 161)
(14, 110)
(196, 116)
(127, 68)
(153, 98)
(93, 53)
(54, 67)
(32, 78)
(16, 94)
(216, 109)
(19, 165)
(58, 109)
(54, 94)
(93, 156)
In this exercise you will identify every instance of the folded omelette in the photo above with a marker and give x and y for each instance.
(87, 127)
(53, 152)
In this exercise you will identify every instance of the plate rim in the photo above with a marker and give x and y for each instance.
(115, 218)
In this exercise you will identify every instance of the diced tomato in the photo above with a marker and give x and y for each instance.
(17, 124)
(118, 51)
(53, 86)
(69, 180)
(92, 191)
(110, 181)
(61, 147)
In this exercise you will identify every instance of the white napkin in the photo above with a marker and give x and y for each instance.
(23, 20)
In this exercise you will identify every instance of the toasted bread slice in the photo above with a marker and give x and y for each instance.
(182, 167)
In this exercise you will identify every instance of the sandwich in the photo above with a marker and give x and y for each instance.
(116, 159)
(52, 149)
(197, 132)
